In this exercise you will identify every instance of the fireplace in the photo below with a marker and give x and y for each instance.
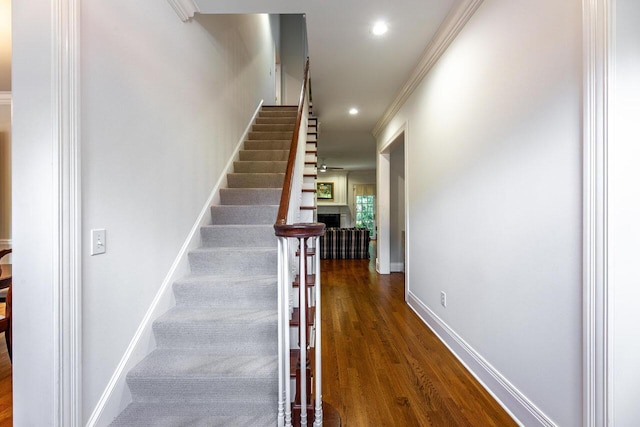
(330, 220)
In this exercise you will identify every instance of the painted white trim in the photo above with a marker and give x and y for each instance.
(451, 26)
(407, 225)
(383, 212)
(5, 98)
(143, 341)
(598, 53)
(396, 267)
(66, 191)
(184, 8)
(521, 409)
(383, 255)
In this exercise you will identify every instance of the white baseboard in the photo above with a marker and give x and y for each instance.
(396, 267)
(523, 411)
(116, 395)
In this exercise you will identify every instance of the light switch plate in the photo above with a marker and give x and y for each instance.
(98, 241)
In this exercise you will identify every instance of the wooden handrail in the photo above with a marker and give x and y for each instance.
(288, 177)
(300, 231)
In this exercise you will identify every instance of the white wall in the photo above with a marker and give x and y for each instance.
(494, 203)
(293, 55)
(624, 202)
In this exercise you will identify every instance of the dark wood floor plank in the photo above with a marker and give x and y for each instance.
(6, 396)
(382, 366)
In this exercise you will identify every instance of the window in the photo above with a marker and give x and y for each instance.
(366, 213)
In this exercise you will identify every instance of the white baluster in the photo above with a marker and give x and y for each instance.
(282, 324)
(287, 339)
(303, 332)
(318, 339)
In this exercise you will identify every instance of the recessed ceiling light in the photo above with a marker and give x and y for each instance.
(353, 111)
(379, 28)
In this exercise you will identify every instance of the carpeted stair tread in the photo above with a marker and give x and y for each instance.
(243, 214)
(173, 375)
(273, 127)
(250, 196)
(232, 235)
(185, 315)
(222, 331)
(275, 120)
(214, 291)
(293, 108)
(264, 155)
(270, 135)
(271, 144)
(255, 180)
(252, 261)
(169, 364)
(260, 167)
(182, 415)
(288, 114)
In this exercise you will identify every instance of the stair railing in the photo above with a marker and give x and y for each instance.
(289, 229)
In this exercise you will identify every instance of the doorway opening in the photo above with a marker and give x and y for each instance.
(392, 214)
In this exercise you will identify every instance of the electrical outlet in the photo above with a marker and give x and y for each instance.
(443, 298)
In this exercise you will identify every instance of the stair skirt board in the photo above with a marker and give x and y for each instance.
(165, 385)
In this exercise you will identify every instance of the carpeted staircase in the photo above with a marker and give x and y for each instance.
(216, 357)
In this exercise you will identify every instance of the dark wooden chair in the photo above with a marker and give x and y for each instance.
(5, 322)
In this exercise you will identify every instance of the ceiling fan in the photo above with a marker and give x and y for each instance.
(324, 167)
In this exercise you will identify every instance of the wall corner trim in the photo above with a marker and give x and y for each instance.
(67, 231)
(184, 8)
(598, 22)
(506, 394)
(450, 28)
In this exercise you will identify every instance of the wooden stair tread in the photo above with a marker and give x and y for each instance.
(294, 356)
(295, 317)
(310, 252)
(311, 280)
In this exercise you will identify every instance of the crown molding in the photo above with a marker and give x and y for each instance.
(450, 28)
(184, 8)
(5, 98)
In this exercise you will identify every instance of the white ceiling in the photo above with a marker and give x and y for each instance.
(352, 67)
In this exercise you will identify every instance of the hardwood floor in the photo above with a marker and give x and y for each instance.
(6, 400)
(382, 366)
